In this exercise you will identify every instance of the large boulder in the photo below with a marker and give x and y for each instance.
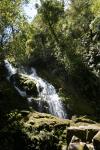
(85, 133)
(25, 83)
(33, 131)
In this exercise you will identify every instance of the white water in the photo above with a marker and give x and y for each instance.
(22, 93)
(11, 70)
(47, 92)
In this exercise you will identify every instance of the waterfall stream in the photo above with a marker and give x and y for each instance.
(47, 97)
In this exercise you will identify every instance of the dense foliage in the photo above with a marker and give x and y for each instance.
(71, 35)
(12, 28)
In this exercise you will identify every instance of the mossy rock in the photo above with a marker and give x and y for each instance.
(39, 131)
(33, 131)
(46, 129)
(45, 121)
(25, 83)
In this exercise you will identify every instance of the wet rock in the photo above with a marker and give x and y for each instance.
(96, 141)
(40, 89)
(39, 105)
(24, 83)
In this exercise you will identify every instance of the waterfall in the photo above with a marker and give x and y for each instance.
(48, 94)
(47, 97)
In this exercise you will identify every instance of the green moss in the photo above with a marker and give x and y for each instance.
(34, 130)
(45, 128)
(27, 84)
(40, 131)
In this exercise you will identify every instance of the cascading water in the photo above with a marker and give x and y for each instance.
(11, 70)
(47, 94)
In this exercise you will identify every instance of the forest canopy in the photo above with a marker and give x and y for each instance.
(66, 30)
